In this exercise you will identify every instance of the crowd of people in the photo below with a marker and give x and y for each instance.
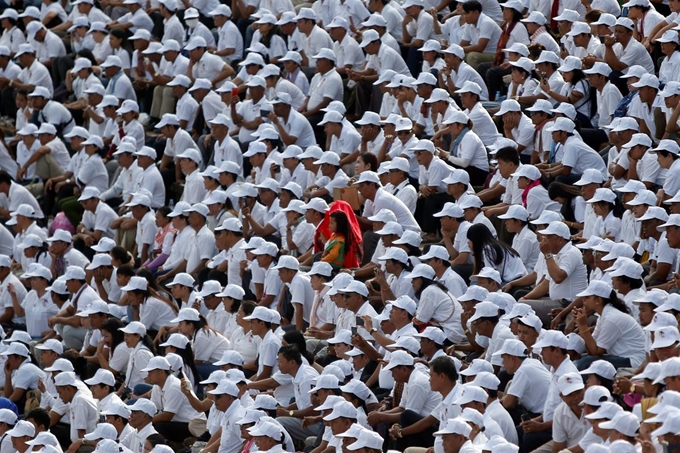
(423, 226)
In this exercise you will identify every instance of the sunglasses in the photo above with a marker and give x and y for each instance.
(403, 132)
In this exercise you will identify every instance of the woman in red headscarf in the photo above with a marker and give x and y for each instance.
(353, 241)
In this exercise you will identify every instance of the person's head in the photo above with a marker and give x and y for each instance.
(600, 294)
(289, 359)
(40, 419)
(22, 432)
(528, 329)
(66, 384)
(454, 435)
(513, 355)
(443, 373)
(401, 365)
(486, 318)
(472, 10)
(508, 161)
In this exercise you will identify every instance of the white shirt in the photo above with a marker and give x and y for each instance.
(328, 85)
(37, 75)
(139, 358)
(526, 244)
(171, 399)
(620, 334)
(385, 200)
(100, 219)
(202, 248)
(484, 28)
(83, 414)
(530, 384)
(137, 438)
(194, 190)
(484, 126)
(230, 440)
(570, 260)
(553, 400)
(418, 396)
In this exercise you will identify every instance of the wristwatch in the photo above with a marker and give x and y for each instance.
(632, 388)
(352, 272)
(291, 413)
(373, 330)
(548, 256)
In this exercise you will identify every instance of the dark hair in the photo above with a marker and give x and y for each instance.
(112, 325)
(616, 208)
(593, 16)
(164, 211)
(120, 34)
(155, 290)
(508, 154)
(40, 416)
(295, 337)
(558, 189)
(356, 401)
(125, 270)
(248, 306)
(615, 302)
(121, 255)
(5, 177)
(202, 323)
(444, 365)
(486, 248)
(342, 226)
(426, 283)
(79, 363)
(472, 5)
(291, 352)
(156, 439)
(22, 91)
(370, 160)
(634, 283)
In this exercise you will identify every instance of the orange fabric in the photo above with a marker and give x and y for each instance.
(354, 254)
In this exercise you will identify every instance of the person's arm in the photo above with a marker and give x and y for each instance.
(557, 274)
(227, 71)
(610, 56)
(418, 427)
(539, 291)
(479, 47)
(163, 417)
(18, 309)
(266, 373)
(286, 138)
(581, 318)
(322, 105)
(258, 229)
(509, 401)
(198, 405)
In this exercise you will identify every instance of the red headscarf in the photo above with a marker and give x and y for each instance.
(354, 254)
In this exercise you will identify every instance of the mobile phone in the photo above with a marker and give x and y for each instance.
(525, 417)
(354, 330)
(234, 91)
(264, 113)
(360, 321)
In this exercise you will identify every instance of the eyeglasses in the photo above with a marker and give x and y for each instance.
(403, 132)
